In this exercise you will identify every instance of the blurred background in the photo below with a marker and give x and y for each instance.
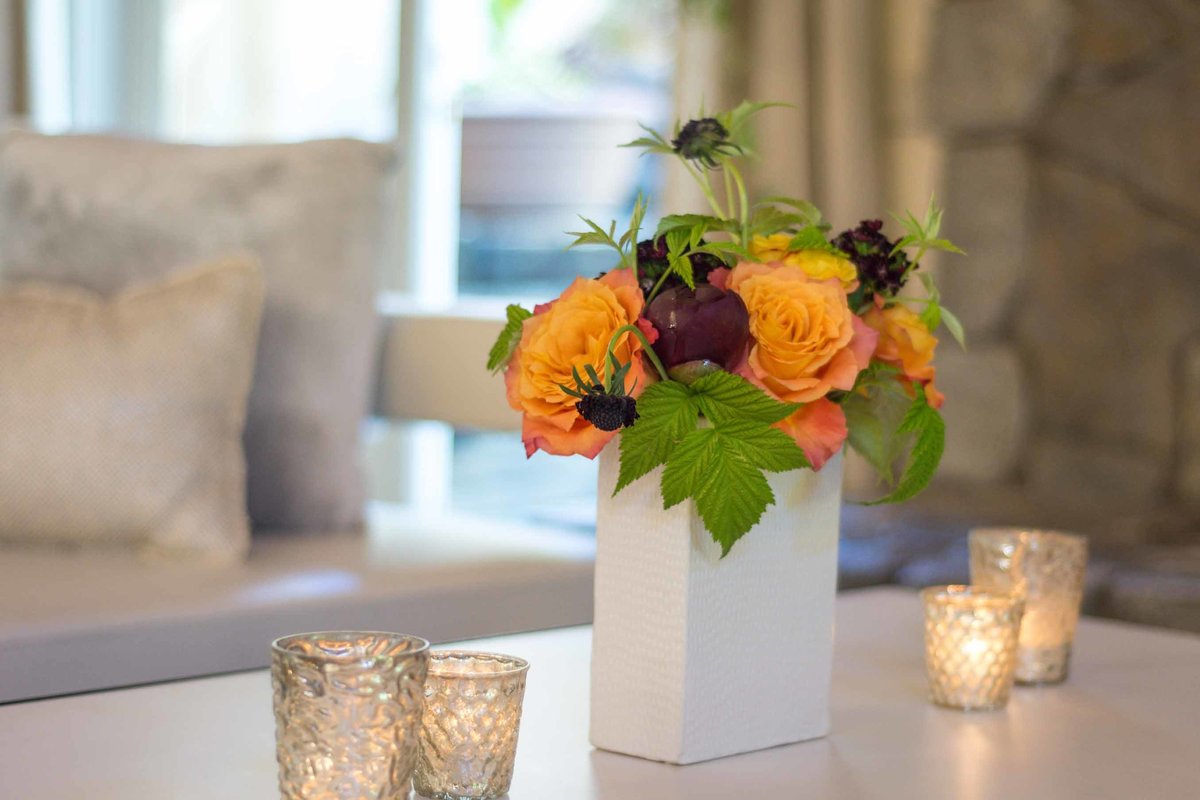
(1059, 134)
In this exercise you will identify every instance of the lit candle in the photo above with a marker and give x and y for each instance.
(1046, 568)
(970, 645)
(469, 730)
(347, 713)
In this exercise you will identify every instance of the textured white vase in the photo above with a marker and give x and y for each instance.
(695, 657)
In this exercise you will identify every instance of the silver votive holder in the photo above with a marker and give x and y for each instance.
(970, 645)
(1047, 569)
(347, 713)
(469, 730)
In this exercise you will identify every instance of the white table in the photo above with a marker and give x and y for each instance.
(1126, 725)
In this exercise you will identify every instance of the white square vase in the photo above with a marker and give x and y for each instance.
(696, 657)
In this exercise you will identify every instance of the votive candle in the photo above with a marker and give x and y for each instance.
(970, 645)
(469, 730)
(1046, 568)
(347, 713)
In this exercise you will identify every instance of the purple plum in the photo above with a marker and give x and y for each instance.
(705, 324)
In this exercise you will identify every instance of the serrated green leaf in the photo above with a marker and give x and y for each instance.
(725, 398)
(955, 327)
(812, 238)
(689, 465)
(874, 411)
(767, 220)
(690, 221)
(804, 209)
(927, 425)
(682, 266)
(730, 491)
(666, 413)
(509, 338)
(765, 447)
(729, 252)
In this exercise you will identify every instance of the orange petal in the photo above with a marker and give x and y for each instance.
(819, 428)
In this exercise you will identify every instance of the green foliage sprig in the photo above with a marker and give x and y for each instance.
(719, 465)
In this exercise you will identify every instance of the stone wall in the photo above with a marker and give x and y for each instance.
(1071, 133)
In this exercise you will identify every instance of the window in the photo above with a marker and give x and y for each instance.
(510, 109)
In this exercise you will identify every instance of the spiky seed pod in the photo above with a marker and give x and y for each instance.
(704, 140)
(608, 412)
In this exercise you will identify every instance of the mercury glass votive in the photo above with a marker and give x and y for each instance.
(347, 713)
(970, 645)
(1046, 568)
(469, 731)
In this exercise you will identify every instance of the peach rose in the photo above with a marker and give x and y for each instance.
(572, 331)
(817, 264)
(806, 340)
(906, 342)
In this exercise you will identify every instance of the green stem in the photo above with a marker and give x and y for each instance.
(729, 199)
(743, 204)
(701, 179)
(649, 351)
(661, 279)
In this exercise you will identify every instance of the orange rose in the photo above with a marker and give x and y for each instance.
(572, 331)
(807, 341)
(906, 342)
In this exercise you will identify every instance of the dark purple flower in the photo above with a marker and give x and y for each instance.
(704, 140)
(705, 324)
(879, 272)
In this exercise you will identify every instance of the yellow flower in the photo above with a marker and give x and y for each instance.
(817, 264)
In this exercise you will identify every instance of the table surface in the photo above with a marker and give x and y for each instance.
(1126, 724)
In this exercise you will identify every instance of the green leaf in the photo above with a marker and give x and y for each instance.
(874, 411)
(931, 315)
(729, 252)
(763, 446)
(724, 398)
(721, 469)
(812, 238)
(930, 430)
(767, 220)
(692, 221)
(735, 120)
(654, 143)
(689, 465)
(804, 209)
(509, 338)
(955, 327)
(666, 412)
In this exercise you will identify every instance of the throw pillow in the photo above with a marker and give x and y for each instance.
(106, 212)
(121, 419)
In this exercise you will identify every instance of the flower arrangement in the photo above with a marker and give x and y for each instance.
(735, 343)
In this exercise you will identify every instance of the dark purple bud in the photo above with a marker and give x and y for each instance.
(707, 324)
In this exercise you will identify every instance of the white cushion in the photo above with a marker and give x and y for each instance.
(121, 420)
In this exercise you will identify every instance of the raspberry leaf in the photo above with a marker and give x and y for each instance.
(926, 424)
(508, 339)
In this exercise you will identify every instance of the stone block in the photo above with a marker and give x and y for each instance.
(1111, 295)
(994, 60)
(988, 212)
(984, 411)
(1140, 130)
(1117, 35)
